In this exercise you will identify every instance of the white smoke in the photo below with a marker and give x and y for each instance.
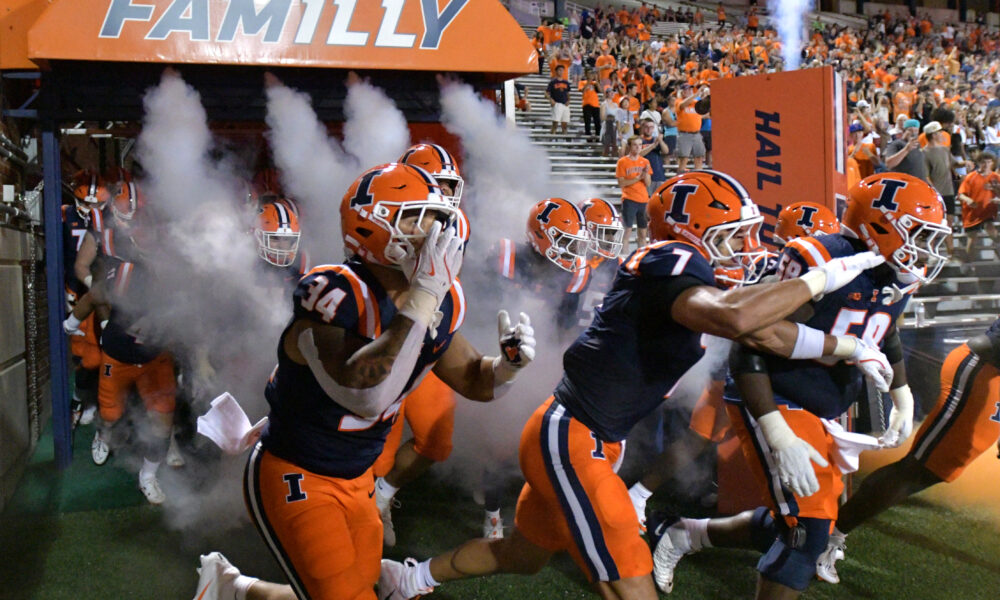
(789, 20)
(375, 131)
(315, 168)
(212, 305)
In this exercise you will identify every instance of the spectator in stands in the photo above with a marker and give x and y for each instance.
(940, 163)
(609, 131)
(991, 133)
(634, 173)
(591, 106)
(540, 49)
(904, 155)
(978, 195)
(557, 94)
(634, 105)
(720, 15)
(626, 125)
(654, 150)
(689, 141)
(575, 64)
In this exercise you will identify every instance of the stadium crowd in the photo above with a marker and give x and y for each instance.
(904, 75)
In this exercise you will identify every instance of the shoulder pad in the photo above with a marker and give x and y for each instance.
(670, 258)
(336, 295)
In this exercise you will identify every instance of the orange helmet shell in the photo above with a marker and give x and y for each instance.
(374, 205)
(604, 226)
(127, 201)
(439, 163)
(803, 219)
(557, 230)
(903, 219)
(707, 209)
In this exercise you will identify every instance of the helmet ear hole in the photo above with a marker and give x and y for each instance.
(364, 232)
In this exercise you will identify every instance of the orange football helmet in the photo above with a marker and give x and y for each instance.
(713, 212)
(379, 200)
(438, 162)
(557, 230)
(604, 226)
(802, 219)
(126, 202)
(89, 191)
(277, 233)
(903, 219)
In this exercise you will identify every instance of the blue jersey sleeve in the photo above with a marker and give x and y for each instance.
(328, 296)
(670, 259)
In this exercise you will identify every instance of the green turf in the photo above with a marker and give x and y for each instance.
(87, 533)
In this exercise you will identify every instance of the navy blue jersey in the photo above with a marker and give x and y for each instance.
(75, 228)
(993, 334)
(308, 427)
(633, 352)
(860, 308)
(529, 271)
(126, 337)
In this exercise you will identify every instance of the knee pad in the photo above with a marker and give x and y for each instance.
(762, 529)
(791, 559)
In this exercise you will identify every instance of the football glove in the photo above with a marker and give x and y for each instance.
(431, 273)
(900, 418)
(72, 326)
(792, 455)
(873, 364)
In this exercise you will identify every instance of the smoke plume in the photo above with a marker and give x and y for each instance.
(788, 20)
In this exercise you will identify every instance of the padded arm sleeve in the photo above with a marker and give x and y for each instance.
(367, 402)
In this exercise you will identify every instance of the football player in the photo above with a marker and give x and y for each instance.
(607, 234)
(964, 423)
(643, 338)
(708, 421)
(363, 333)
(90, 194)
(439, 163)
(784, 404)
(131, 357)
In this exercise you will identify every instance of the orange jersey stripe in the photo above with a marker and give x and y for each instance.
(813, 252)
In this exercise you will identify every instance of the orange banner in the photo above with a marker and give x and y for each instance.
(782, 135)
(424, 35)
(16, 18)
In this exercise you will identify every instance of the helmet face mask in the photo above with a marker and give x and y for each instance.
(408, 224)
(919, 259)
(441, 165)
(607, 234)
(455, 183)
(735, 250)
(566, 249)
(90, 192)
(278, 248)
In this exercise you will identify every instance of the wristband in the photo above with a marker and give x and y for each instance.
(816, 280)
(503, 376)
(777, 433)
(808, 343)
(846, 346)
(419, 307)
(72, 322)
(902, 398)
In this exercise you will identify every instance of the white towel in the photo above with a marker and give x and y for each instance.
(849, 445)
(227, 425)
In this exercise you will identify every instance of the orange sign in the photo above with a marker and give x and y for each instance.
(428, 35)
(782, 135)
(16, 17)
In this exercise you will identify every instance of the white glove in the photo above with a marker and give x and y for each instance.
(900, 418)
(431, 273)
(72, 326)
(517, 346)
(838, 272)
(792, 455)
(875, 366)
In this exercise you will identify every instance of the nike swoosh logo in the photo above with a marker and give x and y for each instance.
(371, 493)
(432, 270)
(660, 529)
(202, 594)
(438, 347)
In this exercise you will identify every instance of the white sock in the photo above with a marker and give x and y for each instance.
(640, 492)
(384, 488)
(424, 577)
(242, 584)
(148, 468)
(698, 532)
(838, 533)
(493, 514)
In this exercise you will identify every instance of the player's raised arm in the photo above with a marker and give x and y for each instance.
(485, 378)
(366, 377)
